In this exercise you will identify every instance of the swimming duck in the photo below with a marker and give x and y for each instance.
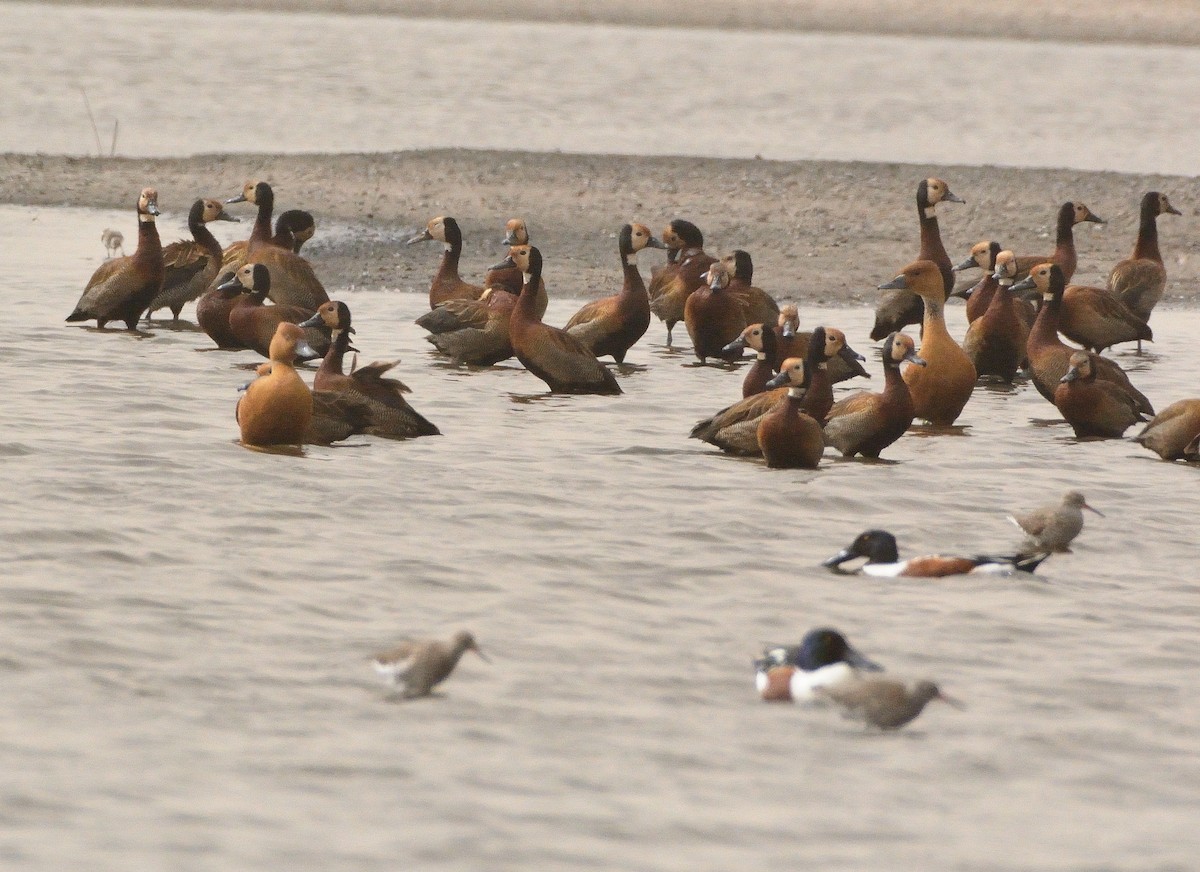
(447, 284)
(277, 406)
(1049, 357)
(902, 308)
(1172, 434)
(122, 288)
(391, 415)
(996, 338)
(506, 276)
(941, 388)
(1094, 407)
(883, 560)
(1140, 279)
(884, 702)
(486, 344)
(611, 325)
(761, 340)
(787, 436)
(553, 355)
(1053, 527)
(866, 423)
(758, 305)
(253, 324)
(191, 265)
(713, 315)
(684, 272)
(1096, 319)
(792, 673)
(422, 664)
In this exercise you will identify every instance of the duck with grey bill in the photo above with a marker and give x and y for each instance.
(419, 665)
(792, 673)
(885, 702)
(1052, 527)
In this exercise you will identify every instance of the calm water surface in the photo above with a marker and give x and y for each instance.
(187, 622)
(182, 83)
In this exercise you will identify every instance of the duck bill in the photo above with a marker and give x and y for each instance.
(949, 197)
(234, 284)
(225, 216)
(1071, 375)
(787, 331)
(423, 236)
(507, 263)
(655, 242)
(912, 357)
(969, 263)
(778, 381)
(737, 346)
(1024, 284)
(839, 558)
(240, 198)
(858, 661)
(315, 321)
(509, 239)
(1095, 219)
(899, 283)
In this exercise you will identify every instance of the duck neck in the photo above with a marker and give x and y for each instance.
(1146, 247)
(526, 306)
(262, 224)
(449, 267)
(934, 323)
(331, 364)
(633, 286)
(149, 246)
(931, 243)
(1064, 240)
(203, 235)
(796, 394)
(1045, 326)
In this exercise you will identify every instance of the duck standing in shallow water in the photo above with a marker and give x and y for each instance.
(612, 325)
(823, 658)
(1054, 527)
(191, 265)
(687, 262)
(1140, 279)
(553, 355)
(788, 437)
(1174, 433)
(419, 665)
(883, 560)
(866, 423)
(713, 315)
(277, 406)
(941, 388)
(1094, 407)
(884, 702)
(761, 340)
(122, 288)
(447, 283)
(996, 336)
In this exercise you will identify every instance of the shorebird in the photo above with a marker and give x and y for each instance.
(114, 241)
(1052, 527)
(791, 673)
(421, 664)
(884, 702)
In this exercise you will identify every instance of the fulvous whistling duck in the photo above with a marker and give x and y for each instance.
(885, 703)
(883, 560)
(553, 355)
(792, 673)
(1055, 526)
(713, 315)
(942, 387)
(761, 339)
(191, 265)
(1094, 407)
(1096, 318)
(391, 415)
(447, 284)
(1049, 357)
(253, 324)
(684, 271)
(788, 437)
(419, 665)
(995, 339)
(122, 288)
(277, 407)
(1140, 279)
(611, 325)
(1172, 434)
(902, 308)
(866, 423)
(759, 306)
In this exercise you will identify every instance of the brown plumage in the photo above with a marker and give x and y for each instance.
(686, 265)
(758, 305)
(121, 288)
(762, 341)
(611, 325)
(1069, 214)
(213, 308)
(899, 309)
(277, 406)
(190, 265)
(866, 423)
(1094, 407)
(941, 388)
(1053, 527)
(293, 228)
(787, 436)
(995, 340)
(506, 276)
(447, 283)
(486, 344)
(390, 413)
(1172, 434)
(791, 342)
(883, 702)
(1096, 318)
(1140, 279)
(419, 665)
(1049, 357)
(253, 324)
(713, 315)
(553, 355)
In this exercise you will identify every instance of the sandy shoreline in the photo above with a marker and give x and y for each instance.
(1173, 22)
(818, 231)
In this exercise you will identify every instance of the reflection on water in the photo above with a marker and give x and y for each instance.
(187, 82)
(188, 623)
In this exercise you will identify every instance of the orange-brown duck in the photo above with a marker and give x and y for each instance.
(1069, 214)
(253, 324)
(760, 307)
(788, 437)
(1174, 432)
(941, 388)
(293, 228)
(1094, 407)
(1096, 319)
(189, 266)
(213, 308)
(1140, 279)
(761, 340)
(487, 343)
(866, 423)
(611, 325)
(791, 342)
(684, 272)
(506, 276)
(120, 289)
(553, 355)
(714, 316)
(1049, 357)
(995, 340)
(903, 308)
(447, 283)
(277, 406)
(391, 415)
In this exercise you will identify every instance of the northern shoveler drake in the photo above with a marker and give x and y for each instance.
(791, 673)
(879, 548)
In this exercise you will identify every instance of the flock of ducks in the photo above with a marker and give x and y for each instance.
(786, 414)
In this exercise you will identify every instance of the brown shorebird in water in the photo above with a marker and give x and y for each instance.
(884, 702)
(1052, 527)
(421, 664)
